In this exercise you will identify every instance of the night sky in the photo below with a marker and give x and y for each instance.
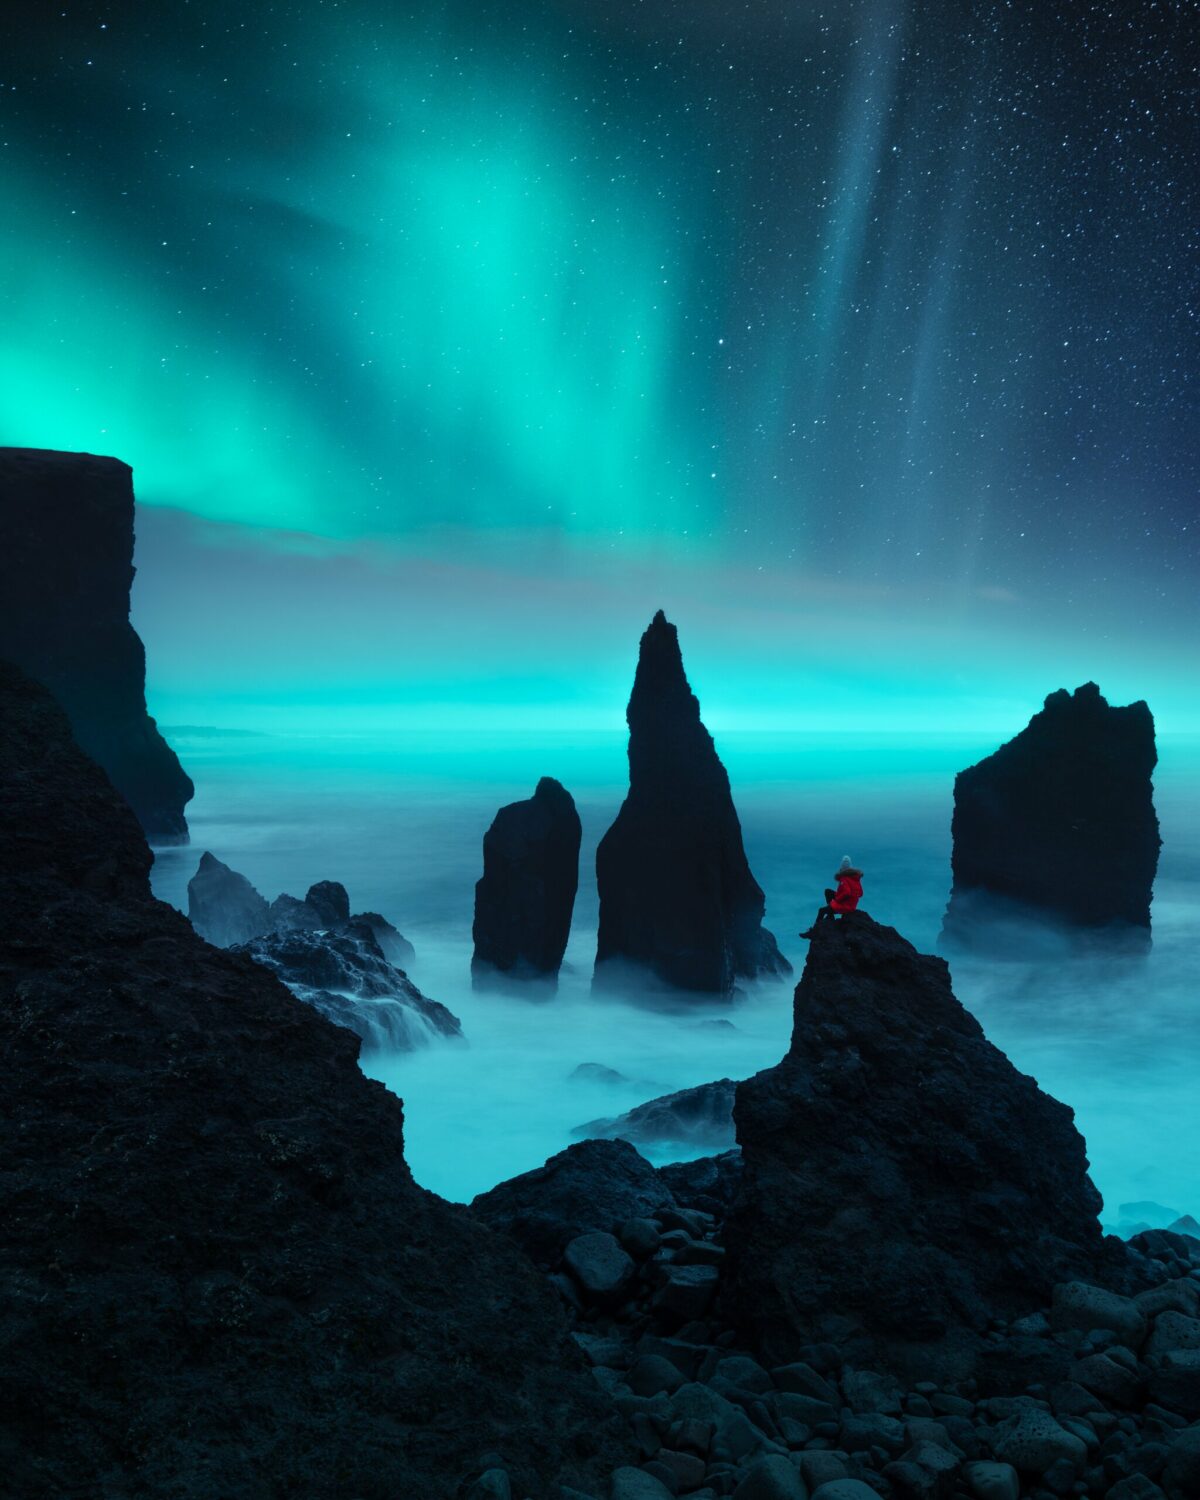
(447, 340)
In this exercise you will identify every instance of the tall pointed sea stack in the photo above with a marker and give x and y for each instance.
(524, 901)
(66, 567)
(677, 899)
(902, 1182)
(1059, 824)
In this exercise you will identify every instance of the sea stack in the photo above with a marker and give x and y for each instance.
(66, 569)
(1058, 825)
(902, 1182)
(524, 900)
(210, 1217)
(677, 900)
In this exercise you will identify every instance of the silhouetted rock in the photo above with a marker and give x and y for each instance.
(700, 1116)
(524, 900)
(710, 1183)
(223, 906)
(1058, 824)
(219, 1275)
(677, 899)
(594, 1186)
(900, 1177)
(396, 948)
(66, 567)
(346, 977)
(328, 899)
(597, 1073)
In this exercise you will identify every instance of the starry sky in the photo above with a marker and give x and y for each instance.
(450, 341)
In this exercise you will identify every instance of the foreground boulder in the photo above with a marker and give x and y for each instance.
(594, 1186)
(700, 1116)
(525, 897)
(218, 1275)
(345, 976)
(678, 903)
(66, 567)
(902, 1181)
(1057, 825)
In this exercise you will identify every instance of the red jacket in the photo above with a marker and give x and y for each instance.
(849, 892)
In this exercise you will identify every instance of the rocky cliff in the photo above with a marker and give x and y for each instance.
(219, 1277)
(1058, 824)
(524, 900)
(677, 899)
(66, 567)
(902, 1182)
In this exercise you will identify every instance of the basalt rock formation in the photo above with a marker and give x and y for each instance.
(219, 1277)
(226, 910)
(524, 900)
(677, 899)
(346, 977)
(902, 1181)
(66, 567)
(1059, 823)
(699, 1116)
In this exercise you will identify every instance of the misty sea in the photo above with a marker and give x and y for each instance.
(401, 826)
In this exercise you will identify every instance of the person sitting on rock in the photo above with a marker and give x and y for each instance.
(844, 899)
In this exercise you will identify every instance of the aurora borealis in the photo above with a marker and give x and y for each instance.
(862, 336)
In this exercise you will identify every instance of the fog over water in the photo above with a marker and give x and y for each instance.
(400, 823)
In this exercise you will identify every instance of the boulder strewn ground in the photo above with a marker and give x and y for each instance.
(1058, 825)
(66, 568)
(900, 1177)
(678, 904)
(219, 1277)
(526, 895)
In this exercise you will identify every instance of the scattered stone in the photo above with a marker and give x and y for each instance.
(1032, 1441)
(599, 1265)
(687, 1292)
(771, 1478)
(1078, 1305)
(636, 1484)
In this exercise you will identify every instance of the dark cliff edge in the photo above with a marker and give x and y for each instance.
(218, 1275)
(1058, 827)
(679, 906)
(66, 569)
(902, 1182)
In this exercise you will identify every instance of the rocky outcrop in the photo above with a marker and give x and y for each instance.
(591, 1187)
(700, 1116)
(678, 904)
(902, 1181)
(66, 567)
(346, 977)
(225, 909)
(219, 1276)
(223, 906)
(524, 900)
(1058, 825)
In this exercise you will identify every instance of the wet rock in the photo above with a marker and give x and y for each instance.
(699, 1116)
(330, 904)
(66, 567)
(525, 897)
(898, 1171)
(1058, 823)
(223, 906)
(678, 903)
(194, 1163)
(593, 1185)
(345, 976)
(398, 951)
(597, 1073)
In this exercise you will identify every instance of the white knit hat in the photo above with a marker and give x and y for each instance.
(846, 864)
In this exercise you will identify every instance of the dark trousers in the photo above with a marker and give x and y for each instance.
(825, 911)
